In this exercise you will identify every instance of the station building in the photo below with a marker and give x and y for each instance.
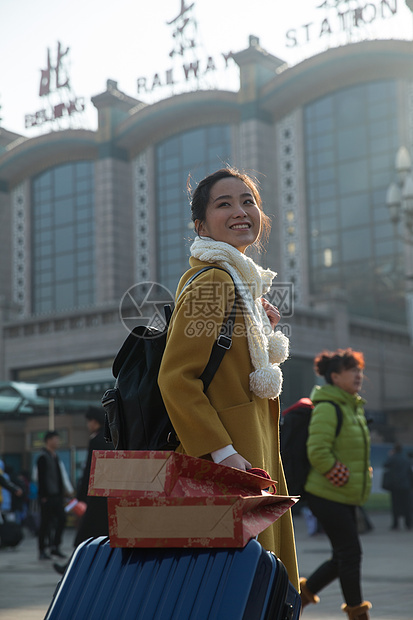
(87, 215)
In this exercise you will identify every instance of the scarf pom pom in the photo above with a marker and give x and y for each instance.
(266, 382)
(278, 347)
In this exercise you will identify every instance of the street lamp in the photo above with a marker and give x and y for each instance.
(399, 197)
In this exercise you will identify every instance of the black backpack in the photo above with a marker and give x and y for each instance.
(136, 417)
(293, 442)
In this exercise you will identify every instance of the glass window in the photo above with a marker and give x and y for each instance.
(65, 293)
(324, 124)
(45, 236)
(349, 161)
(43, 221)
(45, 277)
(85, 299)
(325, 157)
(356, 244)
(353, 176)
(352, 140)
(83, 185)
(328, 207)
(327, 190)
(84, 226)
(46, 249)
(325, 141)
(63, 180)
(197, 153)
(44, 306)
(63, 211)
(45, 180)
(65, 267)
(350, 106)
(65, 239)
(63, 234)
(384, 230)
(324, 108)
(355, 210)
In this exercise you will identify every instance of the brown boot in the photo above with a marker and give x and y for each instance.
(358, 612)
(306, 595)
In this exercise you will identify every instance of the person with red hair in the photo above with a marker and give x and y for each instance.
(340, 476)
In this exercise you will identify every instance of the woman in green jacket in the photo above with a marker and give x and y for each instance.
(340, 476)
(235, 422)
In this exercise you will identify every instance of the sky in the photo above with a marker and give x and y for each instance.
(127, 40)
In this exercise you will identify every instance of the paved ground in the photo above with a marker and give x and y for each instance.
(27, 584)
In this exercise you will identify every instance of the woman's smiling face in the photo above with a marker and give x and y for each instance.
(232, 214)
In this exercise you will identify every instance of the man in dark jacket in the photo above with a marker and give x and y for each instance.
(94, 521)
(54, 485)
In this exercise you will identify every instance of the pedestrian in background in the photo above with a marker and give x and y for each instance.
(400, 485)
(54, 485)
(94, 522)
(11, 533)
(7, 486)
(340, 476)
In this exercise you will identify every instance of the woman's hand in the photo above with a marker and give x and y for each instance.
(338, 475)
(271, 311)
(237, 461)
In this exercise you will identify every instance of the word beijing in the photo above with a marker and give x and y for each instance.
(55, 112)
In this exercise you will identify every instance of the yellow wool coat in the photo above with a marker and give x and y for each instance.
(228, 413)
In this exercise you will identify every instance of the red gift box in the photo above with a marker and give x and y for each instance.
(136, 473)
(167, 499)
(219, 521)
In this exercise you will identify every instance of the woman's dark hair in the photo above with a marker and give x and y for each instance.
(199, 197)
(327, 362)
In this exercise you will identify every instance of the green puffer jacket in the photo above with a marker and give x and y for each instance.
(351, 447)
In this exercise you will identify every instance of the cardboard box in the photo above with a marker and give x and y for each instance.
(133, 473)
(167, 499)
(222, 521)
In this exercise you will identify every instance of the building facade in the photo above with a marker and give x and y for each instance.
(85, 216)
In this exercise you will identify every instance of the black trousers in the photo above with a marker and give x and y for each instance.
(52, 522)
(95, 520)
(340, 524)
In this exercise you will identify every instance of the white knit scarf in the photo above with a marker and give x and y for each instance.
(267, 348)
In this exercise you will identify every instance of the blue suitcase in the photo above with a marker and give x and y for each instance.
(174, 584)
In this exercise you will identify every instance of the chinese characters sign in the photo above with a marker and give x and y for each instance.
(184, 49)
(55, 88)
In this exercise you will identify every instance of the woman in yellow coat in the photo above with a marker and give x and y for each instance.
(235, 422)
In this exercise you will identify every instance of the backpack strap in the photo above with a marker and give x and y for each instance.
(224, 340)
(338, 412)
(220, 347)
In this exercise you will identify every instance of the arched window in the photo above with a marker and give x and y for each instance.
(63, 238)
